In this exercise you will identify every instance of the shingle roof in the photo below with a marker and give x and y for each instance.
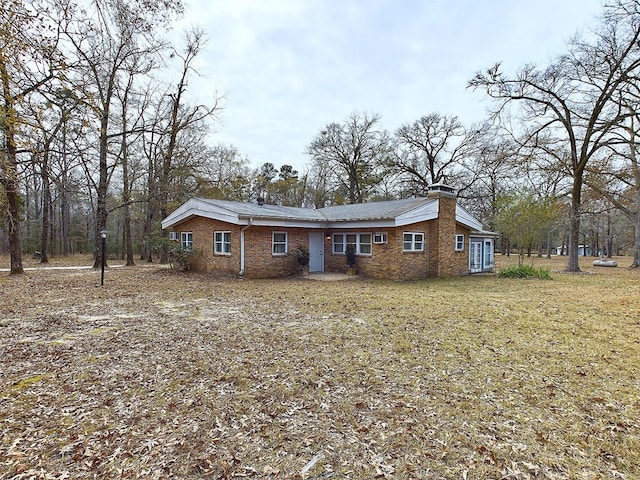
(254, 210)
(373, 211)
(388, 213)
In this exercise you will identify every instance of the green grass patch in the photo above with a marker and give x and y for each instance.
(27, 382)
(524, 271)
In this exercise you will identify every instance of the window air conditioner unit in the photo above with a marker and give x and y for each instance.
(380, 237)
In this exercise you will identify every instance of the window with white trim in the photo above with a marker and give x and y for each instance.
(364, 244)
(279, 243)
(186, 240)
(361, 243)
(459, 243)
(222, 243)
(338, 245)
(413, 241)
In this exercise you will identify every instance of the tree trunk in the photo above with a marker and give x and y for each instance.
(126, 197)
(636, 240)
(65, 209)
(636, 206)
(10, 174)
(145, 251)
(574, 226)
(103, 183)
(609, 237)
(46, 206)
(150, 205)
(13, 210)
(126, 189)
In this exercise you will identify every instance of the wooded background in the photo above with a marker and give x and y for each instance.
(99, 132)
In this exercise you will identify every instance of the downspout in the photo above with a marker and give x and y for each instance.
(242, 230)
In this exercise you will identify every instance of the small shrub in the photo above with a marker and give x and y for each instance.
(185, 259)
(524, 271)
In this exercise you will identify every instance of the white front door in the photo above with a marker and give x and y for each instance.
(475, 257)
(316, 252)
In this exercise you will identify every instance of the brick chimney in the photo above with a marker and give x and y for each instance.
(446, 226)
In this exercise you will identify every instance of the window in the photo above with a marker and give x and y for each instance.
(380, 237)
(222, 243)
(279, 243)
(338, 243)
(488, 253)
(186, 240)
(173, 236)
(412, 242)
(459, 243)
(361, 242)
(364, 244)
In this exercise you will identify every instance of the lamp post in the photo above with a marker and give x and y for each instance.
(103, 236)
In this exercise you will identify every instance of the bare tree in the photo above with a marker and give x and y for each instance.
(125, 95)
(28, 60)
(228, 174)
(181, 116)
(104, 45)
(573, 101)
(319, 187)
(492, 167)
(183, 121)
(616, 177)
(434, 149)
(49, 133)
(356, 152)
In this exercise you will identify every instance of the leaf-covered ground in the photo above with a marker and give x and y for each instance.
(159, 374)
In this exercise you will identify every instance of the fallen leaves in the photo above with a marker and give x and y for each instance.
(166, 375)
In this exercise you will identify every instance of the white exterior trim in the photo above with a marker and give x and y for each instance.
(274, 243)
(426, 212)
(197, 207)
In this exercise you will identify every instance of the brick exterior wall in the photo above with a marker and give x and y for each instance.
(202, 230)
(259, 259)
(450, 263)
(387, 261)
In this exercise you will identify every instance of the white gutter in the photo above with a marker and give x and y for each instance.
(242, 230)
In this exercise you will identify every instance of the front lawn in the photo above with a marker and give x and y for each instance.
(160, 374)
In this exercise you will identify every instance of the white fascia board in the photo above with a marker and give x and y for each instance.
(483, 234)
(424, 213)
(178, 215)
(223, 216)
(282, 223)
(404, 221)
(350, 225)
(174, 219)
(465, 218)
(196, 208)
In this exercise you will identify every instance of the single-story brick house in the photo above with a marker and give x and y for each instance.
(405, 239)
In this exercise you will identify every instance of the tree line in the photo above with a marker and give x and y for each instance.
(98, 133)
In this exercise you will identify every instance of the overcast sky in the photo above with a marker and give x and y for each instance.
(286, 68)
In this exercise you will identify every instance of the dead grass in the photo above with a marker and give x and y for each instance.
(160, 374)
